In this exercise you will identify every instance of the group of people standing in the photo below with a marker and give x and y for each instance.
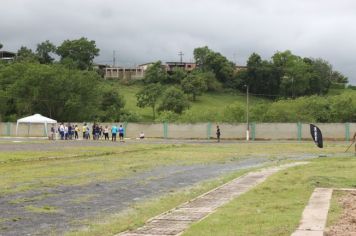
(96, 132)
(66, 131)
(100, 132)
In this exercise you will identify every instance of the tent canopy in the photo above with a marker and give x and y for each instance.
(37, 119)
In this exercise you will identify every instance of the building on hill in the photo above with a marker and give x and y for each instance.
(170, 66)
(240, 68)
(7, 56)
(187, 66)
(135, 73)
(123, 73)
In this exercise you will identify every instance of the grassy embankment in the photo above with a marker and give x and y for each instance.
(209, 106)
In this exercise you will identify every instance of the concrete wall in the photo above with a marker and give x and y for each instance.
(258, 131)
(276, 131)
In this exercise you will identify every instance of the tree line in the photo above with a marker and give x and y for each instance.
(60, 82)
(67, 89)
(285, 76)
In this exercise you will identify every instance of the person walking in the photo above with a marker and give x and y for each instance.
(70, 129)
(106, 133)
(61, 131)
(93, 130)
(121, 133)
(53, 132)
(100, 131)
(76, 132)
(87, 133)
(65, 132)
(97, 132)
(84, 130)
(354, 139)
(218, 133)
(113, 133)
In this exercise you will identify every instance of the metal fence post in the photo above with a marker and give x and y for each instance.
(165, 130)
(208, 130)
(347, 131)
(299, 131)
(253, 131)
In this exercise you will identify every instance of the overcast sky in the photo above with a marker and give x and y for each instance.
(140, 31)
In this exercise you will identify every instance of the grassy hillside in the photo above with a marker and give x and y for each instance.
(208, 107)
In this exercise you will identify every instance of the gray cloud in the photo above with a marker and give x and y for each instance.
(141, 30)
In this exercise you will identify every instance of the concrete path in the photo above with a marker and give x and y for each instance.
(175, 221)
(315, 214)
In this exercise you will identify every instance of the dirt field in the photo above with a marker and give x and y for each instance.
(346, 225)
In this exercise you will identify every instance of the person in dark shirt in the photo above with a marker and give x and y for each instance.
(218, 133)
(354, 139)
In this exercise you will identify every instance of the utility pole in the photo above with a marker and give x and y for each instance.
(114, 59)
(181, 56)
(247, 110)
(234, 58)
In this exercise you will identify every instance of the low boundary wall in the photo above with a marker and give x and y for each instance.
(258, 131)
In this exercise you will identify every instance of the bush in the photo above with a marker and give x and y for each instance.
(174, 100)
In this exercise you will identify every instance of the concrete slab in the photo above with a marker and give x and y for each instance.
(306, 233)
(315, 213)
(175, 221)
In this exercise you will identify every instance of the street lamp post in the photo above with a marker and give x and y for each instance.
(247, 111)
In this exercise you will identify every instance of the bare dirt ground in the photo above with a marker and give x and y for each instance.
(346, 225)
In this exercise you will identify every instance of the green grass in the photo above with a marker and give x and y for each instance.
(42, 209)
(335, 207)
(209, 106)
(22, 171)
(275, 207)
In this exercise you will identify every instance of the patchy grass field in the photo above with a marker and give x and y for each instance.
(266, 208)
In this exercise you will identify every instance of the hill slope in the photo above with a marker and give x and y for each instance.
(208, 107)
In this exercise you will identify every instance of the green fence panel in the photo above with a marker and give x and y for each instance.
(253, 131)
(347, 131)
(299, 131)
(165, 130)
(208, 130)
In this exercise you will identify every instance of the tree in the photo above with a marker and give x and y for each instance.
(25, 54)
(80, 51)
(174, 100)
(338, 78)
(111, 105)
(155, 73)
(194, 84)
(51, 90)
(44, 50)
(261, 76)
(1, 45)
(148, 97)
(177, 76)
(208, 60)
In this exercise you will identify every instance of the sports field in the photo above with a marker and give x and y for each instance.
(103, 188)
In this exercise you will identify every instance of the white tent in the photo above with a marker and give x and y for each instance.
(36, 119)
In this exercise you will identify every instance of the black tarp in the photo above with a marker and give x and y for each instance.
(316, 135)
